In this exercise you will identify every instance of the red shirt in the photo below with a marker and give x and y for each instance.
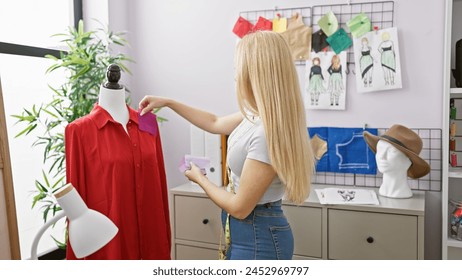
(122, 176)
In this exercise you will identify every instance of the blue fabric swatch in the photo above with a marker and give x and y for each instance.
(347, 151)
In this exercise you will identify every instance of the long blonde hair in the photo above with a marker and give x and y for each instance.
(336, 62)
(267, 85)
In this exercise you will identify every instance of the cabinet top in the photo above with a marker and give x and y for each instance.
(409, 206)
(455, 91)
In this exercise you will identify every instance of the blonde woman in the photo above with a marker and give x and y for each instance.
(269, 155)
(335, 87)
(388, 59)
(366, 63)
(316, 79)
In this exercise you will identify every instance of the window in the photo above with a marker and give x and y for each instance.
(26, 28)
(31, 22)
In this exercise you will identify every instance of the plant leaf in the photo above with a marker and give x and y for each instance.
(26, 131)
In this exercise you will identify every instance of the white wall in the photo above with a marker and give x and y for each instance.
(184, 50)
(95, 13)
(113, 14)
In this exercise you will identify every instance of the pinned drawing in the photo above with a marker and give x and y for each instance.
(316, 80)
(325, 81)
(366, 63)
(335, 87)
(377, 61)
(388, 59)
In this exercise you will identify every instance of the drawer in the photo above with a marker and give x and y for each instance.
(363, 235)
(185, 252)
(454, 253)
(197, 219)
(306, 226)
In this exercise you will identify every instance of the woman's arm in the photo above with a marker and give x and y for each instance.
(254, 181)
(202, 119)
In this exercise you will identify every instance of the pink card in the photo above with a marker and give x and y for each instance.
(202, 162)
(148, 123)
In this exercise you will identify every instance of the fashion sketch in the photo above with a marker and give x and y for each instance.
(388, 59)
(325, 81)
(316, 81)
(347, 195)
(377, 60)
(335, 87)
(366, 63)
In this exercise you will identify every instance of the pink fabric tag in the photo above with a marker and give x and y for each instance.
(148, 123)
(202, 162)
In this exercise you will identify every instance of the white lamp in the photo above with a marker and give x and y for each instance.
(89, 230)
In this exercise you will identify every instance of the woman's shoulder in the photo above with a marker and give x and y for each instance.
(259, 131)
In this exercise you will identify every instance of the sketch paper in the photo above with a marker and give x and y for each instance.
(325, 81)
(347, 196)
(377, 61)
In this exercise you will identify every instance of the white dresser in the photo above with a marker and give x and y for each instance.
(392, 230)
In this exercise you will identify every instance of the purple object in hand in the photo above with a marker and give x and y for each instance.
(148, 123)
(202, 162)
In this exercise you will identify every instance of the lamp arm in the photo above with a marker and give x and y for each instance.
(33, 253)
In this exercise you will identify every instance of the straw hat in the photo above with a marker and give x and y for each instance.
(408, 142)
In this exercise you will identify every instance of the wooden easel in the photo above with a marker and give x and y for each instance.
(6, 185)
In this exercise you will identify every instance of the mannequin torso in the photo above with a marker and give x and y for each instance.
(393, 164)
(113, 101)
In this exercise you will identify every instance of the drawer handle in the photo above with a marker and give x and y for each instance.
(370, 239)
(205, 221)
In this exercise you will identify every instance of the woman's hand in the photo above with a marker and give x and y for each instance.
(150, 103)
(194, 174)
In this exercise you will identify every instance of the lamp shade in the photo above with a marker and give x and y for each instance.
(89, 230)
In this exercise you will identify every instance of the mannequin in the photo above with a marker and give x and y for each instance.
(398, 157)
(112, 96)
(393, 164)
(121, 177)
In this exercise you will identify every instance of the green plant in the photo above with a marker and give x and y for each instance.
(85, 66)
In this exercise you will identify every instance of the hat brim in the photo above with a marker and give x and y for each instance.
(418, 168)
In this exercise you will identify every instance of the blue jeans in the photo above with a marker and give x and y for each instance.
(265, 234)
